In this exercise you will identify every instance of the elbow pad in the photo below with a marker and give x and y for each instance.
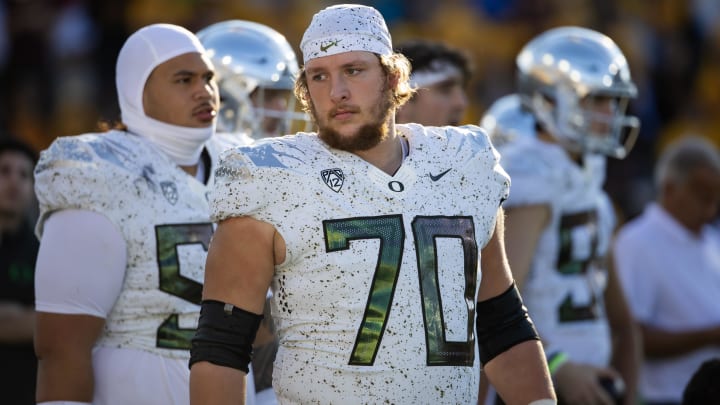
(501, 323)
(224, 335)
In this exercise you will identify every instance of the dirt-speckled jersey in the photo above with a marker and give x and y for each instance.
(164, 217)
(375, 300)
(564, 289)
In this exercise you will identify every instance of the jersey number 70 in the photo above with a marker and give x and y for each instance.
(391, 232)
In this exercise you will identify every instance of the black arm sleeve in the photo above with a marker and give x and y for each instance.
(224, 336)
(501, 323)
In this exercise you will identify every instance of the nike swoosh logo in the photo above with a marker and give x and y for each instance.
(437, 177)
(327, 46)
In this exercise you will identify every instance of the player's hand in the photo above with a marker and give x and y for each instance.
(579, 384)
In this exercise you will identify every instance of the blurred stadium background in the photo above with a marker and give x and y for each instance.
(57, 58)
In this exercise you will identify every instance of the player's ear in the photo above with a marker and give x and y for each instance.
(392, 81)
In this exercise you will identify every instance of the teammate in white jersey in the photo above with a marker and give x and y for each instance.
(124, 227)
(576, 84)
(381, 244)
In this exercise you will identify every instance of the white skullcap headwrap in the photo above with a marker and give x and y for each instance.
(142, 52)
(344, 28)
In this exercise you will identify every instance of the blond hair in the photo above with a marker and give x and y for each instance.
(394, 65)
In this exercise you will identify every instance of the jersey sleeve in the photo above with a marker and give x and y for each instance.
(534, 178)
(79, 272)
(483, 163)
(71, 174)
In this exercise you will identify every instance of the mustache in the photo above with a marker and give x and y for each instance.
(204, 106)
(343, 108)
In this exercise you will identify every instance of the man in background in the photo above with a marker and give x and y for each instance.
(18, 252)
(256, 69)
(440, 74)
(668, 260)
(559, 219)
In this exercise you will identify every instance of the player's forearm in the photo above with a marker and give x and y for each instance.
(658, 343)
(211, 384)
(520, 374)
(627, 356)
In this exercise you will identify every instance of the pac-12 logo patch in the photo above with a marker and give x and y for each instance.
(333, 178)
(169, 190)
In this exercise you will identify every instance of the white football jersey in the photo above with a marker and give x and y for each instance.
(564, 289)
(163, 214)
(375, 300)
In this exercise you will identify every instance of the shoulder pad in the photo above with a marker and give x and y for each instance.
(535, 170)
(85, 171)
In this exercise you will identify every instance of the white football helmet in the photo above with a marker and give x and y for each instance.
(563, 71)
(256, 68)
(507, 119)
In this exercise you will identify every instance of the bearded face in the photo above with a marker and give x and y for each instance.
(374, 130)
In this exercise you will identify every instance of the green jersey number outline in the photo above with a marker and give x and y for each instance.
(391, 232)
(168, 238)
(569, 311)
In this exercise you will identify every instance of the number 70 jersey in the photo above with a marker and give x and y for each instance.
(375, 300)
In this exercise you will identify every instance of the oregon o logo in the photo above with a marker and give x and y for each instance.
(396, 186)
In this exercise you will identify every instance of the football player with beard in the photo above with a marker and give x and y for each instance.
(576, 84)
(124, 227)
(373, 237)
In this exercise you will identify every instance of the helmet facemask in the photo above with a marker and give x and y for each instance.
(577, 84)
(254, 64)
(235, 105)
(277, 112)
(593, 123)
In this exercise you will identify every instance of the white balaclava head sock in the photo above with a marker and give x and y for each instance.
(142, 52)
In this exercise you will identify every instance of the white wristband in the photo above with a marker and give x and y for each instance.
(63, 403)
(543, 402)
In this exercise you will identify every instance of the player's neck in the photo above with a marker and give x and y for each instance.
(200, 170)
(191, 170)
(389, 154)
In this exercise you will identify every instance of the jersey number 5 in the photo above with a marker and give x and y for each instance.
(391, 232)
(168, 238)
